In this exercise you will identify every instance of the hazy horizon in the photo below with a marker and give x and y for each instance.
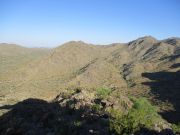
(46, 23)
(56, 45)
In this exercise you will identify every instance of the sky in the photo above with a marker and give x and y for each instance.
(49, 23)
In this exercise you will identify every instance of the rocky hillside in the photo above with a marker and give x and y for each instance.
(79, 112)
(144, 67)
(86, 65)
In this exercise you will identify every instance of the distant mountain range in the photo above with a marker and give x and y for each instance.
(143, 67)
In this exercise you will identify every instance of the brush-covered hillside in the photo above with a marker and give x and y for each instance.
(102, 83)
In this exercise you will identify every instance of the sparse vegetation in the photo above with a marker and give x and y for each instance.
(77, 123)
(141, 115)
(102, 92)
(96, 107)
(176, 128)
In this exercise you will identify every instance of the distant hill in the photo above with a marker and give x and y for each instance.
(12, 56)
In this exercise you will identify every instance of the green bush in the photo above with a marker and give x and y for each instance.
(96, 107)
(176, 128)
(103, 92)
(141, 115)
(77, 123)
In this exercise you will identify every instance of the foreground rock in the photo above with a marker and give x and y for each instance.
(70, 113)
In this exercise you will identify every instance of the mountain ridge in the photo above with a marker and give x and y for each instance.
(79, 64)
(145, 67)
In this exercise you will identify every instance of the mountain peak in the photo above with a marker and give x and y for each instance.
(146, 39)
(172, 41)
(75, 42)
(72, 44)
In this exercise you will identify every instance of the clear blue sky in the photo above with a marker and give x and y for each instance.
(52, 22)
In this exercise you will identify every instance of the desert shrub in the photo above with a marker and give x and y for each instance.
(114, 113)
(102, 92)
(77, 123)
(176, 128)
(141, 115)
(77, 90)
(96, 107)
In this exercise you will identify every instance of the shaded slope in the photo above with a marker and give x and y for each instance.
(77, 113)
(165, 87)
(73, 114)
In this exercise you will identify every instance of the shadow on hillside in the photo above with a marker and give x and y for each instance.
(165, 86)
(176, 65)
(171, 58)
(145, 131)
(38, 117)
